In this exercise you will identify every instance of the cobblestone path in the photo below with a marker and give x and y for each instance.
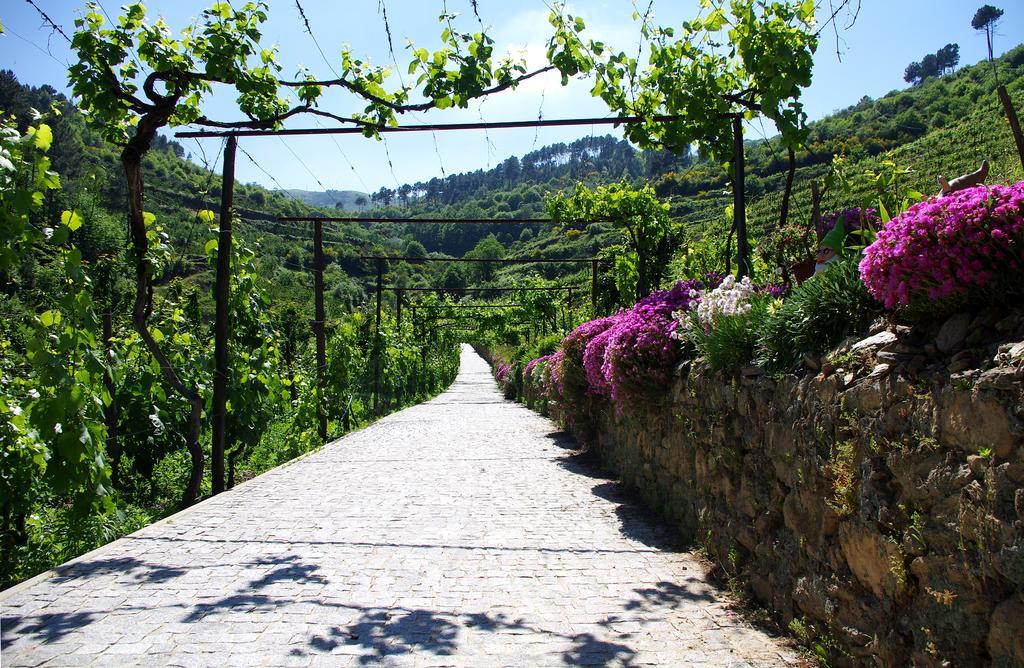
(460, 532)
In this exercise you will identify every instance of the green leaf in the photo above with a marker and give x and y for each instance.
(206, 216)
(60, 235)
(836, 238)
(43, 137)
(883, 213)
(807, 10)
(210, 246)
(715, 20)
(148, 218)
(50, 318)
(71, 219)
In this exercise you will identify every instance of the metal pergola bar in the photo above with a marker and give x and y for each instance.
(416, 221)
(444, 306)
(440, 127)
(479, 289)
(507, 260)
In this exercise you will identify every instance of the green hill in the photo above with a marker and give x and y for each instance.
(345, 200)
(917, 127)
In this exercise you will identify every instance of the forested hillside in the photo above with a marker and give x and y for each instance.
(913, 127)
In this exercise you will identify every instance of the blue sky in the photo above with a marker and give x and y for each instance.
(885, 38)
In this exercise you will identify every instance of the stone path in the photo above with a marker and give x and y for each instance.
(460, 532)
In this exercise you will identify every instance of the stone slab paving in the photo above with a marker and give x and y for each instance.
(460, 532)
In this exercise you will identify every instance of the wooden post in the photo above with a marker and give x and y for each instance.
(398, 305)
(376, 341)
(1011, 117)
(318, 327)
(568, 310)
(110, 412)
(739, 199)
(415, 337)
(593, 287)
(222, 325)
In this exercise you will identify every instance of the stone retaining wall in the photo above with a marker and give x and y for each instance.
(880, 517)
(876, 506)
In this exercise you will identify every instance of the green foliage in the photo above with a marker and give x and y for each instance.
(730, 342)
(223, 46)
(488, 248)
(765, 59)
(700, 257)
(50, 408)
(544, 345)
(642, 220)
(58, 533)
(65, 380)
(816, 316)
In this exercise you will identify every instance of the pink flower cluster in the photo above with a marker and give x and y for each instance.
(625, 357)
(501, 375)
(638, 357)
(553, 385)
(948, 248)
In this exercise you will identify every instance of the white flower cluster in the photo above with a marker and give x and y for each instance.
(731, 297)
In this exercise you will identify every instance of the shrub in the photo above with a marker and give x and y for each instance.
(593, 363)
(944, 251)
(575, 345)
(534, 368)
(723, 326)
(533, 382)
(816, 316)
(546, 345)
(724, 321)
(553, 377)
(729, 298)
(630, 361)
(639, 355)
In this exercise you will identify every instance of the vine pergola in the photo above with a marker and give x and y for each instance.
(133, 78)
(223, 267)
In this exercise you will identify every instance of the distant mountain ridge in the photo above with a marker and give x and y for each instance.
(347, 200)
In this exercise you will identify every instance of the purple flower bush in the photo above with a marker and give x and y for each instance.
(593, 362)
(534, 380)
(553, 377)
(576, 387)
(947, 249)
(532, 365)
(678, 298)
(501, 375)
(638, 357)
(627, 357)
